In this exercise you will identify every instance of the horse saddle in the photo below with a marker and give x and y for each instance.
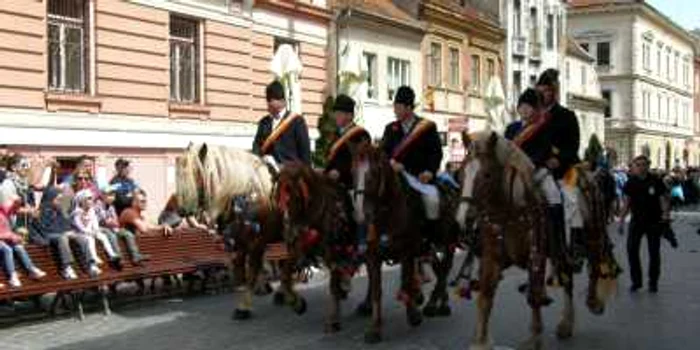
(429, 194)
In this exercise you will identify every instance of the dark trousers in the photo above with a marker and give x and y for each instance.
(634, 240)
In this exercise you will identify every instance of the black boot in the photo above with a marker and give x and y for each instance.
(556, 240)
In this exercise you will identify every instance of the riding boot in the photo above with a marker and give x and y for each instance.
(557, 239)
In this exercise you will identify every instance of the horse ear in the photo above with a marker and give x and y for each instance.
(203, 151)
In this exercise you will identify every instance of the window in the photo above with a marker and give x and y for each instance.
(517, 84)
(646, 57)
(67, 41)
(184, 60)
(567, 72)
(603, 53)
(435, 67)
(490, 67)
(675, 67)
(668, 64)
(534, 38)
(282, 41)
(584, 78)
(686, 73)
(371, 60)
(658, 106)
(658, 60)
(550, 32)
(454, 68)
(607, 96)
(517, 18)
(476, 72)
(668, 107)
(399, 73)
(677, 111)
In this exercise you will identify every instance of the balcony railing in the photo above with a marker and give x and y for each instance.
(519, 46)
(535, 51)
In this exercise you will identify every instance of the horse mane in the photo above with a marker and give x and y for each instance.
(223, 174)
(506, 151)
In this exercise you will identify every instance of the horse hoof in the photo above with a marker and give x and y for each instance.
(300, 306)
(264, 290)
(364, 309)
(414, 317)
(372, 337)
(444, 311)
(595, 307)
(535, 343)
(430, 310)
(333, 327)
(241, 315)
(564, 331)
(278, 298)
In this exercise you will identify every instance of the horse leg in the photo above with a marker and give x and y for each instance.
(333, 318)
(489, 276)
(374, 270)
(565, 329)
(291, 297)
(536, 328)
(242, 287)
(444, 308)
(438, 302)
(410, 290)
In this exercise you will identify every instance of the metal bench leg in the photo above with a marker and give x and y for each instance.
(57, 299)
(78, 305)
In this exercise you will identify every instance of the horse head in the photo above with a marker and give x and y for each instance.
(374, 185)
(293, 197)
(190, 179)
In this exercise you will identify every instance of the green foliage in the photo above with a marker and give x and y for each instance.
(594, 151)
(326, 130)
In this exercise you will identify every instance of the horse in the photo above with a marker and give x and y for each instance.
(316, 230)
(383, 204)
(501, 198)
(234, 187)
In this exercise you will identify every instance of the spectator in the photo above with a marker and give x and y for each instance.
(18, 184)
(84, 164)
(11, 244)
(83, 181)
(86, 222)
(133, 217)
(176, 217)
(55, 229)
(648, 199)
(109, 221)
(124, 185)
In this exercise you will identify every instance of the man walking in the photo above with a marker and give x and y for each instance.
(646, 196)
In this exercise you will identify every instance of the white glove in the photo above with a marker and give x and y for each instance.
(271, 160)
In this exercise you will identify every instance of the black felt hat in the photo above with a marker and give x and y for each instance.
(405, 96)
(274, 91)
(344, 103)
(530, 97)
(549, 77)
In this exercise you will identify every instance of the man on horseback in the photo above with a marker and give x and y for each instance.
(348, 134)
(414, 148)
(282, 135)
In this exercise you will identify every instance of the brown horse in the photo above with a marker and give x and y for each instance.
(235, 188)
(500, 196)
(316, 231)
(384, 204)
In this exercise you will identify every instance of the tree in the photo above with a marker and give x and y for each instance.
(326, 134)
(594, 151)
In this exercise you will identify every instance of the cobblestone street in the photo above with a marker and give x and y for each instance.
(642, 321)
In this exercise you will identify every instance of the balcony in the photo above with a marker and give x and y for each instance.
(519, 46)
(536, 51)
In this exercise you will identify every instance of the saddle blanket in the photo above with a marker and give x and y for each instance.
(429, 194)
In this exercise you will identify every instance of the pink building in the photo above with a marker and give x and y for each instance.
(144, 78)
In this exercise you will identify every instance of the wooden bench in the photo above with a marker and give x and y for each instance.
(186, 251)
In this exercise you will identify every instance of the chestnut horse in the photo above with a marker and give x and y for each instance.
(502, 199)
(384, 204)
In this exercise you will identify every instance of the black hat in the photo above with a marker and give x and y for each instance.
(531, 97)
(549, 77)
(344, 103)
(405, 96)
(274, 91)
(121, 163)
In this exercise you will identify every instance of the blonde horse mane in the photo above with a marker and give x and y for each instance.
(506, 151)
(222, 173)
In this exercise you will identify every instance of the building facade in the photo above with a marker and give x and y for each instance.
(644, 63)
(583, 94)
(535, 41)
(144, 78)
(696, 94)
(389, 40)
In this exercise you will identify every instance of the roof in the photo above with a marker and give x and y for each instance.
(575, 50)
(469, 10)
(381, 8)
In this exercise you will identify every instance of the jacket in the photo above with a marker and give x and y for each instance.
(51, 219)
(424, 154)
(292, 146)
(342, 161)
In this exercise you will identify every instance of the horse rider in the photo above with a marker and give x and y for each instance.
(413, 146)
(282, 135)
(347, 135)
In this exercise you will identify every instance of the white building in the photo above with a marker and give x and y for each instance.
(645, 67)
(389, 40)
(583, 94)
(535, 41)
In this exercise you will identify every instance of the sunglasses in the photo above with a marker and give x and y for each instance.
(83, 178)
